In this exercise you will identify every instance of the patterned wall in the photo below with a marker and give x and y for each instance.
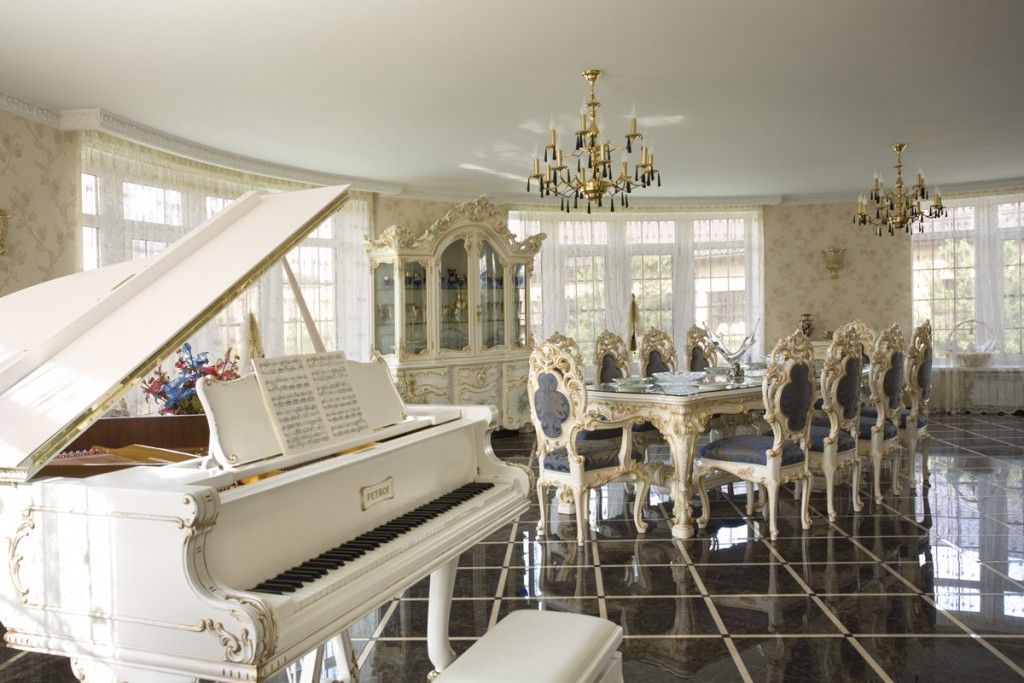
(412, 214)
(874, 285)
(39, 181)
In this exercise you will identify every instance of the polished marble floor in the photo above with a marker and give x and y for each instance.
(927, 586)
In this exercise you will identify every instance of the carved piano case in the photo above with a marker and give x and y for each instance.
(451, 310)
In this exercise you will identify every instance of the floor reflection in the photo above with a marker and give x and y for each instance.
(928, 585)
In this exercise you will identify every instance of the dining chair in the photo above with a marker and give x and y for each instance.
(834, 447)
(657, 353)
(879, 436)
(566, 459)
(611, 361)
(611, 357)
(780, 457)
(912, 427)
(701, 354)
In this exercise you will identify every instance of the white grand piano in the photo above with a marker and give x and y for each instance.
(232, 566)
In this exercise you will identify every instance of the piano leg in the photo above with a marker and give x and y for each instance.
(442, 584)
(344, 658)
(91, 671)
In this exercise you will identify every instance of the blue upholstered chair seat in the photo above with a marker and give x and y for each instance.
(614, 433)
(597, 454)
(750, 448)
(865, 427)
(819, 434)
(872, 412)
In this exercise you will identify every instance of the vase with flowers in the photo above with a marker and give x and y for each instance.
(177, 395)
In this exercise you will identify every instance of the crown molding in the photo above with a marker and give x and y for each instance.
(112, 124)
(33, 112)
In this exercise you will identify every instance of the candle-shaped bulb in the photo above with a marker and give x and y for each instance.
(583, 117)
(551, 125)
(632, 120)
(536, 160)
(600, 126)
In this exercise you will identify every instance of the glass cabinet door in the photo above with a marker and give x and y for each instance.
(453, 282)
(492, 298)
(384, 308)
(519, 306)
(415, 283)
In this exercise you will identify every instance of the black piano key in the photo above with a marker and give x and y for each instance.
(290, 580)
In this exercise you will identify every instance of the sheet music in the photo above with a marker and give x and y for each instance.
(341, 409)
(292, 398)
(318, 399)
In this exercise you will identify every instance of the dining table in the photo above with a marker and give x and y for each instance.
(681, 413)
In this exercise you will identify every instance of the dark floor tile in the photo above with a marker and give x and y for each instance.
(914, 659)
(660, 660)
(470, 582)
(892, 614)
(36, 668)
(565, 581)
(639, 551)
(648, 580)
(469, 618)
(587, 606)
(401, 661)
(675, 616)
(754, 579)
(551, 553)
(774, 658)
(757, 614)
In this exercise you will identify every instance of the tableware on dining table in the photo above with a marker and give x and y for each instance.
(631, 383)
(676, 378)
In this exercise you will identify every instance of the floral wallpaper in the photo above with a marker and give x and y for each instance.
(874, 285)
(39, 181)
(412, 214)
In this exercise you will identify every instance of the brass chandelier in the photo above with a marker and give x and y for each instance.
(594, 177)
(898, 209)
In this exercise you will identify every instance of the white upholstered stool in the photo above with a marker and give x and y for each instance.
(542, 647)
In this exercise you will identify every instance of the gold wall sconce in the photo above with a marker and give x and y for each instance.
(4, 215)
(835, 259)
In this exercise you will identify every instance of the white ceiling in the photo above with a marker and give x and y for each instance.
(741, 98)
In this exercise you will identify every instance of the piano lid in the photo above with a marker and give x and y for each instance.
(72, 347)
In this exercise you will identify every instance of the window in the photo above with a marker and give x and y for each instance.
(151, 204)
(967, 275)
(137, 202)
(681, 268)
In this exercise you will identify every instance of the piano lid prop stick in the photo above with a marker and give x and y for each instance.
(307, 318)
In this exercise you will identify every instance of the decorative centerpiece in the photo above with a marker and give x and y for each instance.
(806, 324)
(736, 370)
(177, 395)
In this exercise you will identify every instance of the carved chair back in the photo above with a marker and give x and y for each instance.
(841, 379)
(788, 390)
(888, 379)
(558, 394)
(611, 357)
(657, 353)
(919, 367)
(701, 354)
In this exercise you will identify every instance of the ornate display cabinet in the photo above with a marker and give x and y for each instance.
(451, 310)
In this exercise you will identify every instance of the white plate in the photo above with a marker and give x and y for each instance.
(676, 378)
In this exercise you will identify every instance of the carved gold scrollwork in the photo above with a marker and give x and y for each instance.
(696, 337)
(610, 344)
(658, 340)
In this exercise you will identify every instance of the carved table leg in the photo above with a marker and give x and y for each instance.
(442, 583)
(682, 446)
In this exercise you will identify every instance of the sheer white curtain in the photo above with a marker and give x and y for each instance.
(682, 267)
(136, 201)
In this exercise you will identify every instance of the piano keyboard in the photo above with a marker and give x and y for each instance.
(309, 571)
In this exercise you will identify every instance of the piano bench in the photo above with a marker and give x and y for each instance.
(542, 647)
